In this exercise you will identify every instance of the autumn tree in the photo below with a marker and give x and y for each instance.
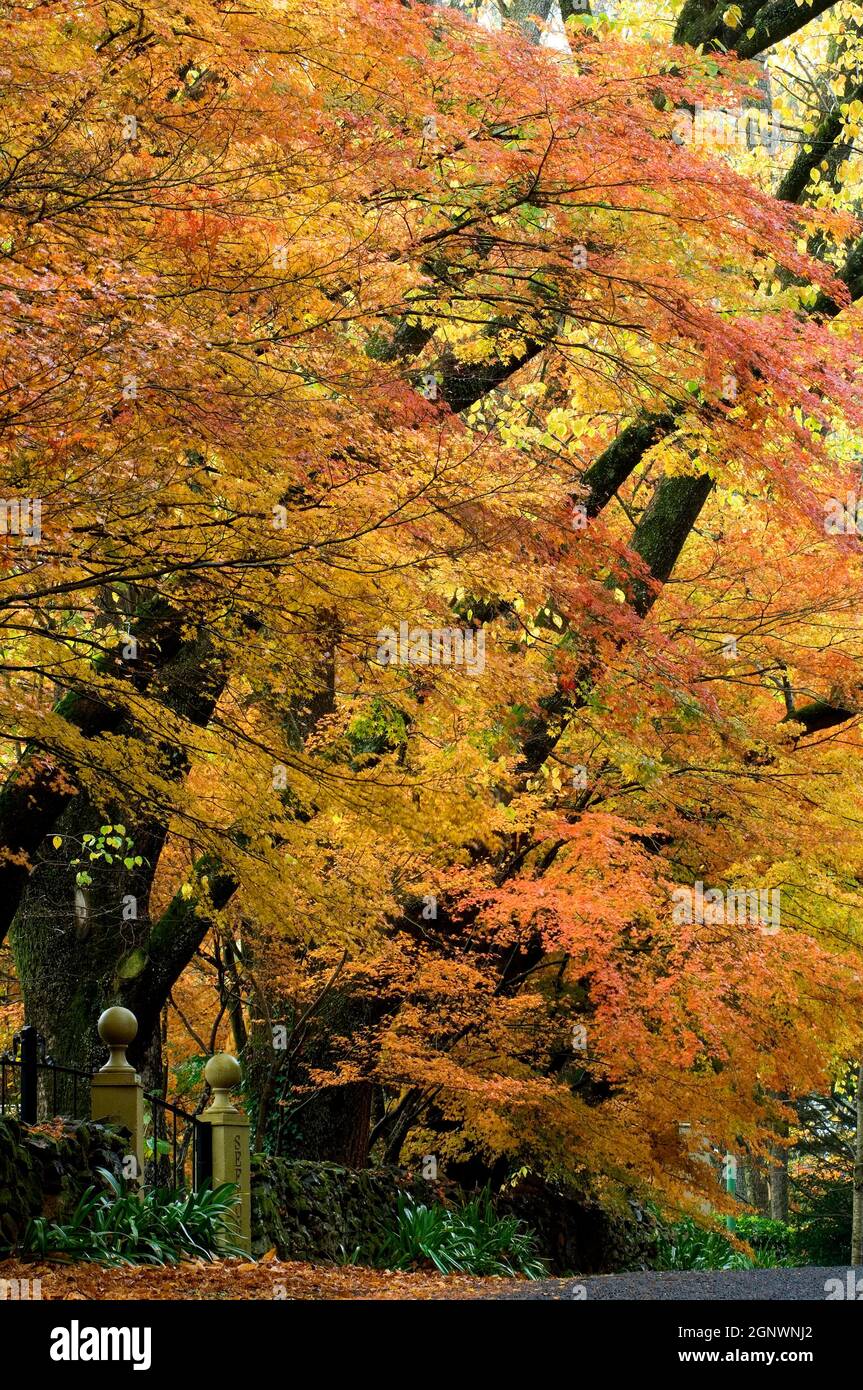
(315, 329)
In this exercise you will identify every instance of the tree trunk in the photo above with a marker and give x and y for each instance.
(857, 1199)
(779, 1186)
(297, 1116)
(78, 948)
(752, 1184)
(72, 945)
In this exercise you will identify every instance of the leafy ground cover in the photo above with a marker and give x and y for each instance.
(239, 1279)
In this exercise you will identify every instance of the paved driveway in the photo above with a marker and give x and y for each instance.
(806, 1285)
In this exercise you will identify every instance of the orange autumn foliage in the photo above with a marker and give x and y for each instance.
(237, 247)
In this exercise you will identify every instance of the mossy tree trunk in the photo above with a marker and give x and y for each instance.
(70, 943)
(80, 946)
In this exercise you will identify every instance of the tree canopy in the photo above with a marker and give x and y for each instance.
(428, 456)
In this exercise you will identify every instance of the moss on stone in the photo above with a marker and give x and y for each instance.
(322, 1211)
(44, 1174)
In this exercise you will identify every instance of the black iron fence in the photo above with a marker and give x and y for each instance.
(33, 1087)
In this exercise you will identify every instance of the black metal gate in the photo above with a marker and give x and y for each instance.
(178, 1144)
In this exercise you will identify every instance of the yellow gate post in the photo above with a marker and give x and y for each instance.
(116, 1091)
(230, 1131)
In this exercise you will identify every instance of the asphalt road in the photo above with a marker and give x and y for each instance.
(703, 1286)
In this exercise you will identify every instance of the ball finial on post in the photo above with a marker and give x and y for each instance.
(229, 1142)
(223, 1074)
(117, 1029)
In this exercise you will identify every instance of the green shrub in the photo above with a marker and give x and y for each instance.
(771, 1241)
(117, 1227)
(472, 1239)
(687, 1245)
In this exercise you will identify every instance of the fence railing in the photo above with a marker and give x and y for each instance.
(169, 1146)
(177, 1145)
(34, 1087)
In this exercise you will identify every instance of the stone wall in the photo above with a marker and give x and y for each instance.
(43, 1172)
(321, 1211)
(575, 1235)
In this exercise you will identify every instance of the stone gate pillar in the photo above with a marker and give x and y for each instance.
(117, 1092)
(230, 1131)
